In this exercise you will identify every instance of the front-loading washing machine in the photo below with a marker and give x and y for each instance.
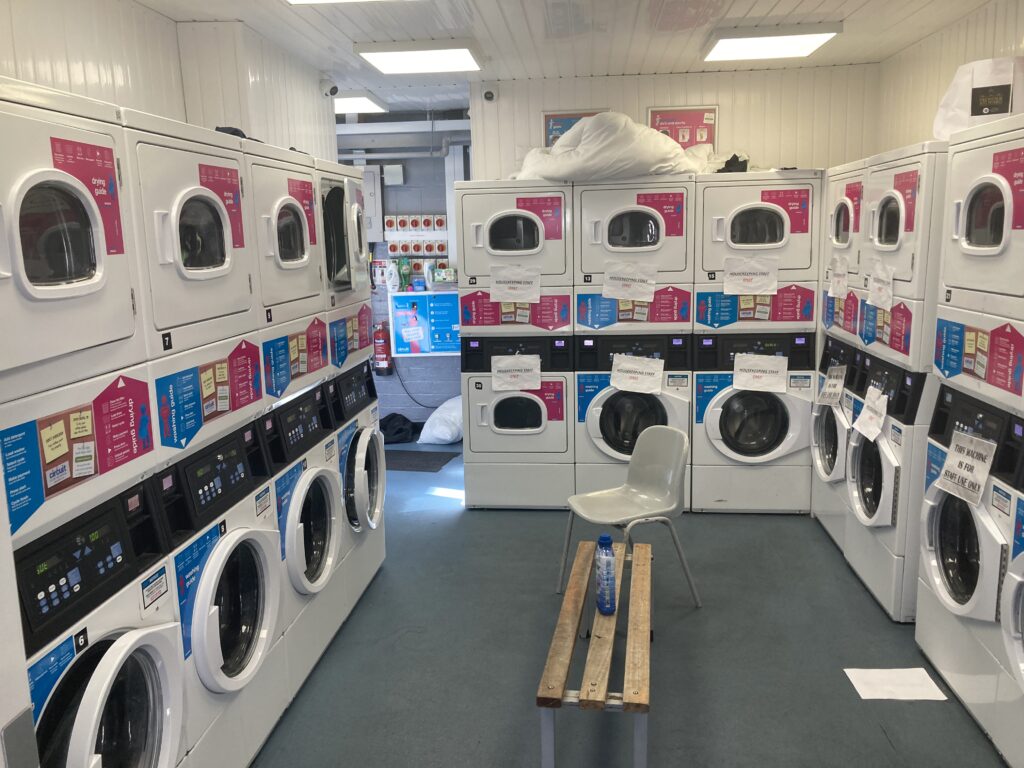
(191, 214)
(68, 263)
(842, 243)
(102, 637)
(609, 420)
(751, 450)
(830, 431)
(979, 345)
(885, 486)
(518, 444)
(288, 238)
(746, 216)
(965, 551)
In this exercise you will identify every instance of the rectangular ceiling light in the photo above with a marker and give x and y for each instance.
(791, 42)
(331, 2)
(358, 103)
(418, 58)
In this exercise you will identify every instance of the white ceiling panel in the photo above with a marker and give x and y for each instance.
(525, 39)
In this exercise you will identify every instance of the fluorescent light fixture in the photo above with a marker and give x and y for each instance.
(358, 102)
(746, 43)
(417, 58)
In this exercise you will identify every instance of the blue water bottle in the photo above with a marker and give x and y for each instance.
(604, 575)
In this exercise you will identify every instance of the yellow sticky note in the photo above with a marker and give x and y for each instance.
(220, 372)
(746, 302)
(293, 348)
(55, 441)
(765, 300)
(206, 383)
(81, 424)
(970, 339)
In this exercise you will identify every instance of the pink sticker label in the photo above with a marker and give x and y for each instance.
(244, 375)
(302, 191)
(792, 303)
(553, 395)
(95, 167)
(796, 202)
(854, 192)
(1006, 359)
(851, 308)
(365, 321)
(224, 183)
(901, 320)
(316, 346)
(124, 423)
(1010, 165)
(671, 206)
(548, 210)
(906, 185)
(550, 313)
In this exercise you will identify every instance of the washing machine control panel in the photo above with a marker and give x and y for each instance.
(356, 391)
(595, 353)
(714, 352)
(219, 477)
(555, 352)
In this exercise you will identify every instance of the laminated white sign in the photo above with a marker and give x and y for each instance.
(880, 286)
(512, 283)
(832, 390)
(412, 333)
(966, 468)
(629, 281)
(637, 374)
(872, 415)
(838, 282)
(751, 275)
(513, 372)
(760, 373)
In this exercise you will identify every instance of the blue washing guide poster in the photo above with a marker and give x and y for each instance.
(933, 468)
(284, 487)
(424, 323)
(181, 407)
(949, 347)
(587, 387)
(1018, 530)
(23, 472)
(706, 386)
(44, 674)
(188, 568)
(868, 322)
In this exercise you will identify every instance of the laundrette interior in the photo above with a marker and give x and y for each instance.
(336, 335)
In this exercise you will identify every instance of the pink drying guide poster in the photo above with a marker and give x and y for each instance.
(316, 346)
(796, 203)
(851, 307)
(553, 395)
(224, 183)
(900, 323)
(124, 423)
(548, 210)
(302, 191)
(687, 126)
(1006, 359)
(854, 192)
(1010, 165)
(94, 166)
(671, 206)
(244, 375)
(906, 184)
(365, 320)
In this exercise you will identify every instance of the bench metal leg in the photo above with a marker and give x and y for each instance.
(639, 740)
(547, 737)
(565, 552)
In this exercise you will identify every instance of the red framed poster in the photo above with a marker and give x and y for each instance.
(557, 123)
(688, 126)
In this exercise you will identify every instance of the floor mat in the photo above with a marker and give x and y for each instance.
(418, 461)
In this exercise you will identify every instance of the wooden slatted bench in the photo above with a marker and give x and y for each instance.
(592, 694)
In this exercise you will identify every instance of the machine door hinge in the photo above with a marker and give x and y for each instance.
(241, 184)
(134, 311)
(250, 283)
(118, 164)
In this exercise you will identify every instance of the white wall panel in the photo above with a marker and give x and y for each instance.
(815, 117)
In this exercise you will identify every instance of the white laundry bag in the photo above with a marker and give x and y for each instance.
(444, 425)
(981, 91)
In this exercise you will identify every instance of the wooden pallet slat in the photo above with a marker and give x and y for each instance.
(594, 687)
(636, 686)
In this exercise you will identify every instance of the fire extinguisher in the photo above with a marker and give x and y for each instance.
(382, 349)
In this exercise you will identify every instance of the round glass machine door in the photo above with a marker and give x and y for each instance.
(316, 530)
(201, 235)
(634, 229)
(239, 600)
(365, 480)
(753, 423)
(291, 238)
(57, 240)
(518, 412)
(957, 548)
(869, 477)
(827, 432)
(757, 226)
(335, 239)
(625, 415)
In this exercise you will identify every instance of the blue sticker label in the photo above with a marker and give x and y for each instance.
(1018, 529)
(188, 568)
(277, 366)
(284, 487)
(23, 472)
(868, 330)
(716, 310)
(338, 333)
(828, 312)
(706, 386)
(344, 445)
(180, 405)
(595, 311)
(933, 467)
(1001, 500)
(949, 348)
(858, 406)
(44, 674)
(587, 387)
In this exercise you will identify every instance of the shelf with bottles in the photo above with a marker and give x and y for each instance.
(404, 274)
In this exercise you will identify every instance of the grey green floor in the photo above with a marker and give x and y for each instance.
(439, 662)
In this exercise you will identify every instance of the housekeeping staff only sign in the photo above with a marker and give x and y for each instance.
(966, 468)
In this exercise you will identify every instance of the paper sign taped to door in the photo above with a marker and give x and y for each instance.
(880, 286)
(515, 372)
(838, 278)
(832, 391)
(760, 373)
(513, 283)
(637, 374)
(872, 415)
(751, 275)
(629, 281)
(966, 468)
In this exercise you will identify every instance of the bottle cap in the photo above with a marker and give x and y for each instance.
(604, 540)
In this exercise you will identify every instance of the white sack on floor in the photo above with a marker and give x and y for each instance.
(444, 425)
(955, 111)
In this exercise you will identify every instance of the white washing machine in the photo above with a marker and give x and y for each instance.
(979, 345)
(745, 215)
(295, 356)
(65, 447)
(609, 420)
(68, 263)
(288, 240)
(346, 250)
(191, 213)
(520, 223)
(751, 450)
(830, 431)
(103, 642)
(843, 239)
(885, 485)
(965, 551)
(518, 444)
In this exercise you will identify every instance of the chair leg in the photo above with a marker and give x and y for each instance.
(565, 552)
(682, 559)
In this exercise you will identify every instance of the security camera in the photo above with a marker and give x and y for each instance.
(489, 95)
(328, 88)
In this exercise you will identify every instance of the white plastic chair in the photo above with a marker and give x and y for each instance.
(653, 493)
